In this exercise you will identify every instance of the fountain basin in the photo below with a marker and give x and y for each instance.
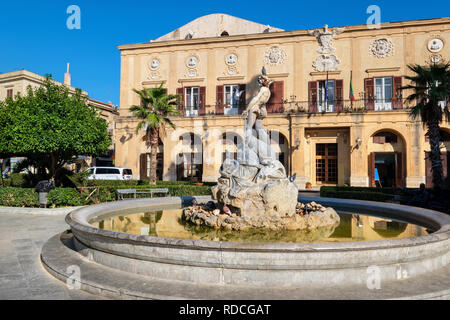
(265, 264)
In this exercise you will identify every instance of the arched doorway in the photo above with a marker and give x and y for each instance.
(190, 159)
(445, 158)
(386, 159)
(145, 163)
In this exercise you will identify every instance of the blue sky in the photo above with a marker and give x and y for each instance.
(34, 35)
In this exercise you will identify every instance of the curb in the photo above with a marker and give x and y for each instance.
(38, 211)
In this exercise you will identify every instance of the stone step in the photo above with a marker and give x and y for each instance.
(58, 254)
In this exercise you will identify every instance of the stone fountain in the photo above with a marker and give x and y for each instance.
(254, 190)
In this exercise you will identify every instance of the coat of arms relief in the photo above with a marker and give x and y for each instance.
(326, 61)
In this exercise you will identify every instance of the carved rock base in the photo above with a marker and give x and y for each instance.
(312, 216)
(275, 198)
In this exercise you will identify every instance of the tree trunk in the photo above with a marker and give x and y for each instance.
(1, 171)
(53, 161)
(435, 153)
(154, 139)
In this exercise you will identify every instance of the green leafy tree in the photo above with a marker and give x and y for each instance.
(49, 126)
(430, 86)
(154, 111)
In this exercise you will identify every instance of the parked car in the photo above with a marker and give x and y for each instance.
(109, 173)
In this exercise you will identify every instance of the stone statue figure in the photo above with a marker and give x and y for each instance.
(325, 38)
(256, 183)
(256, 137)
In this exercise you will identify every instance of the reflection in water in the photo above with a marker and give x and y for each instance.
(168, 224)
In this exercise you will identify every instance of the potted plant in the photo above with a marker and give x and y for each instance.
(308, 185)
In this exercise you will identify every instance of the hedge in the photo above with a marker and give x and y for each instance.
(16, 180)
(61, 197)
(66, 197)
(357, 193)
(18, 197)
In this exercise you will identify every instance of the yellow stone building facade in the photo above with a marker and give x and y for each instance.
(319, 133)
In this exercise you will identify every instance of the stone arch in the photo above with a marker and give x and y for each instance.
(386, 150)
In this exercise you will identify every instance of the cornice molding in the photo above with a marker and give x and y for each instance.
(375, 70)
(191, 80)
(230, 78)
(146, 83)
(278, 75)
(283, 34)
(320, 73)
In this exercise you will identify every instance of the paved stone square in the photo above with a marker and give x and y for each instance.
(22, 275)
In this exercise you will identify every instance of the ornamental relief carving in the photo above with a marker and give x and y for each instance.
(435, 44)
(325, 38)
(435, 58)
(274, 56)
(192, 61)
(154, 63)
(231, 63)
(326, 62)
(381, 48)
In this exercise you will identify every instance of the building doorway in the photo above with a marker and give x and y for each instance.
(385, 165)
(386, 169)
(326, 163)
(190, 160)
(145, 163)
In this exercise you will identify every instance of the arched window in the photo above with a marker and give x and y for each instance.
(224, 34)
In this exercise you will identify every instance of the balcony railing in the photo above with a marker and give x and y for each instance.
(307, 107)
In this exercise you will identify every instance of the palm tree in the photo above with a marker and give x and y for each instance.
(431, 91)
(154, 111)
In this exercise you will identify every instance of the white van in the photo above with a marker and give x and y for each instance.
(109, 173)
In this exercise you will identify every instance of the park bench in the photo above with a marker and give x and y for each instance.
(122, 192)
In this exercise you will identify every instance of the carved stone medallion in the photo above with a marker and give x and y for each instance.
(154, 64)
(231, 59)
(382, 48)
(232, 71)
(435, 58)
(192, 61)
(435, 45)
(274, 56)
(192, 73)
(325, 63)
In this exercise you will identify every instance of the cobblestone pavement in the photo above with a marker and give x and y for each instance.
(22, 275)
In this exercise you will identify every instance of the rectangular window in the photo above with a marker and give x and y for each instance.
(383, 93)
(325, 96)
(231, 99)
(9, 93)
(191, 101)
